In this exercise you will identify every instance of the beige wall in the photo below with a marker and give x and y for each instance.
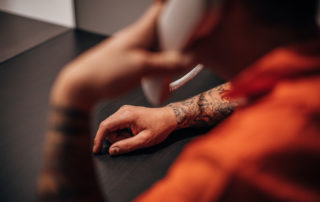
(59, 12)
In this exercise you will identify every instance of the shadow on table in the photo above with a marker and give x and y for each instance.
(176, 136)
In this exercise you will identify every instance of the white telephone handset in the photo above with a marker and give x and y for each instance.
(180, 22)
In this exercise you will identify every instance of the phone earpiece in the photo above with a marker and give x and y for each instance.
(179, 24)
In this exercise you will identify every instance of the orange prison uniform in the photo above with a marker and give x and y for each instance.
(269, 149)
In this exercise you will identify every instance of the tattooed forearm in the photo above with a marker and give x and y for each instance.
(207, 108)
(68, 173)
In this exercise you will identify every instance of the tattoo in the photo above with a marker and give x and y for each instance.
(68, 121)
(71, 113)
(68, 168)
(68, 129)
(205, 109)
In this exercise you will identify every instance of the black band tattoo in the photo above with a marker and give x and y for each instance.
(68, 172)
(71, 113)
(68, 121)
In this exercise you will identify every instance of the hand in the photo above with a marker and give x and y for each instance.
(117, 65)
(149, 127)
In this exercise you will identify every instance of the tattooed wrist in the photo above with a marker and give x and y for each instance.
(207, 108)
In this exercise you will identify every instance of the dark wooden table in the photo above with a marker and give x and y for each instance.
(25, 82)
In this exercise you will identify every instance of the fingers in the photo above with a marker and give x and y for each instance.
(118, 135)
(119, 120)
(167, 62)
(142, 140)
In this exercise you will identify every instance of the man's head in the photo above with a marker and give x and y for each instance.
(248, 29)
(288, 13)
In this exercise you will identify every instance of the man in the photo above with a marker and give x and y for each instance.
(268, 149)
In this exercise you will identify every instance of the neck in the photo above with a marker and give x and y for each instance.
(242, 40)
(250, 49)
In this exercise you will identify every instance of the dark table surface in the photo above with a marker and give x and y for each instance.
(25, 82)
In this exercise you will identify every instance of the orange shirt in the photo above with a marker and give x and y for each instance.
(269, 149)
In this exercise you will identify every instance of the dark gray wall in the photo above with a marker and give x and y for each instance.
(108, 16)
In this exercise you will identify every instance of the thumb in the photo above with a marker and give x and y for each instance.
(167, 62)
(130, 144)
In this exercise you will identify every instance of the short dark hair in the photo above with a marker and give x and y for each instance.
(292, 13)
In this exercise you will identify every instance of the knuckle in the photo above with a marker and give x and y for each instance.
(127, 110)
(144, 139)
(128, 113)
(127, 106)
(124, 108)
(102, 124)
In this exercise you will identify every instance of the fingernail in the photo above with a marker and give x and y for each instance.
(97, 151)
(114, 150)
